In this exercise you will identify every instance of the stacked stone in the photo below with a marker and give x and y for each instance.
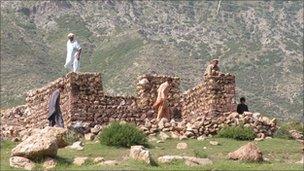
(205, 125)
(215, 95)
(37, 103)
(86, 96)
(147, 86)
(118, 108)
(12, 122)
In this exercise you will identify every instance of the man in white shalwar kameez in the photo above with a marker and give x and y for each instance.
(73, 53)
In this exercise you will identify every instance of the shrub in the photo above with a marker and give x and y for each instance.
(122, 135)
(283, 130)
(237, 132)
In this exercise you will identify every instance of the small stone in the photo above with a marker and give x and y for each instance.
(78, 145)
(109, 162)
(138, 152)
(183, 137)
(258, 139)
(174, 135)
(80, 160)
(98, 159)
(182, 146)
(49, 163)
(214, 142)
(21, 162)
(267, 138)
(205, 148)
(163, 136)
(201, 138)
(96, 129)
(89, 136)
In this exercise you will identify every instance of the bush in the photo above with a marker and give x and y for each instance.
(283, 130)
(122, 135)
(237, 132)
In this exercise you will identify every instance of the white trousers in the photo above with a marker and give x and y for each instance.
(72, 64)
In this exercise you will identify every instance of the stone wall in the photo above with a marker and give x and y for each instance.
(147, 86)
(214, 96)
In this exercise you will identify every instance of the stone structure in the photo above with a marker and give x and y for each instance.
(83, 100)
(214, 96)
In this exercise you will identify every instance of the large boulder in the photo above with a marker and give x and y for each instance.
(138, 152)
(42, 144)
(248, 152)
(21, 162)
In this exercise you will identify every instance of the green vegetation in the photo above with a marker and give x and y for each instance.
(282, 155)
(237, 132)
(122, 135)
(283, 130)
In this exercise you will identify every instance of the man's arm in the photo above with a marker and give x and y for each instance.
(78, 50)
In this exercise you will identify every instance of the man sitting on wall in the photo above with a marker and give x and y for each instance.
(161, 101)
(55, 116)
(242, 107)
(213, 68)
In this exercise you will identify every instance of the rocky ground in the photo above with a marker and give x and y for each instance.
(171, 153)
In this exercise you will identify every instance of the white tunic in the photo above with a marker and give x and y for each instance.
(71, 61)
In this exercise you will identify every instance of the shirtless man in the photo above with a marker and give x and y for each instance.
(213, 68)
(161, 101)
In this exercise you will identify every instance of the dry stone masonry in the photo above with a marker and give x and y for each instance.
(200, 111)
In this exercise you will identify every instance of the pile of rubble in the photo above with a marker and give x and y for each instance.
(203, 126)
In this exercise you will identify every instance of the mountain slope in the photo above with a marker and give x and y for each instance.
(260, 42)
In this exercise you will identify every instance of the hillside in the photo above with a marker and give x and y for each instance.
(260, 42)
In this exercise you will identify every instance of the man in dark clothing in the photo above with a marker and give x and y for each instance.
(242, 107)
(55, 116)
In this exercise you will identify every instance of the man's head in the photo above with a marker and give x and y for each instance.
(169, 80)
(71, 36)
(215, 62)
(242, 100)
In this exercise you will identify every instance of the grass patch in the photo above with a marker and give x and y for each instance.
(282, 154)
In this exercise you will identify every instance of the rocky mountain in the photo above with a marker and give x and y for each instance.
(261, 42)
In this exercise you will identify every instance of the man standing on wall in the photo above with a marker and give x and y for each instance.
(55, 116)
(161, 101)
(73, 53)
(242, 107)
(213, 68)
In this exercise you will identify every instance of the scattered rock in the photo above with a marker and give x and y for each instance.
(194, 161)
(49, 163)
(89, 136)
(96, 129)
(163, 136)
(21, 162)
(98, 159)
(258, 139)
(183, 137)
(204, 148)
(42, 144)
(169, 159)
(190, 161)
(214, 142)
(138, 152)
(182, 146)
(159, 141)
(296, 134)
(78, 145)
(174, 135)
(248, 152)
(80, 160)
(201, 138)
(109, 162)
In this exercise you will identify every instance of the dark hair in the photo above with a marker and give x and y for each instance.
(242, 99)
(169, 79)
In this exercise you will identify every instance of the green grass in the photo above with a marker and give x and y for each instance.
(281, 153)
